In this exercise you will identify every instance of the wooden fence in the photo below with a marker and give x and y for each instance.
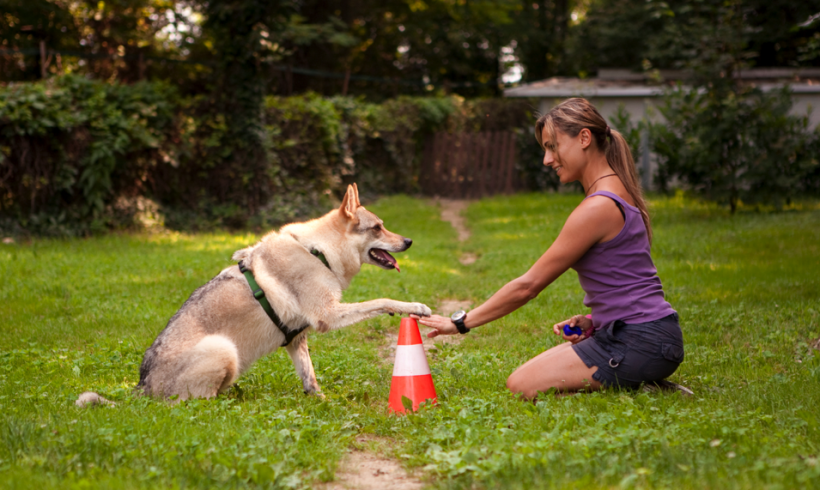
(470, 165)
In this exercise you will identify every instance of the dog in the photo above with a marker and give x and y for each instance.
(222, 329)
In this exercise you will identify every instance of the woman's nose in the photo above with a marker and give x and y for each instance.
(548, 158)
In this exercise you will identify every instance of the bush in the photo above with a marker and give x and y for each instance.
(69, 147)
(77, 156)
(736, 146)
(315, 147)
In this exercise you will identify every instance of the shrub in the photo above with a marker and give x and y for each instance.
(78, 155)
(736, 146)
(70, 146)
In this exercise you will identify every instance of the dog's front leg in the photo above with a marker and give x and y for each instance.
(344, 314)
(298, 351)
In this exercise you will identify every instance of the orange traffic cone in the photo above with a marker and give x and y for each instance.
(412, 381)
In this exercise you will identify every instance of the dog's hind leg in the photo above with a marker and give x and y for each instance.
(298, 351)
(212, 366)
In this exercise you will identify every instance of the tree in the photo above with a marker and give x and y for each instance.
(641, 34)
(540, 31)
(28, 25)
(440, 43)
(743, 146)
(111, 40)
(726, 139)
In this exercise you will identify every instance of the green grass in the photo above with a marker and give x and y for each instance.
(78, 314)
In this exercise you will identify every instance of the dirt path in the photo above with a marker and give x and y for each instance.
(363, 469)
(451, 212)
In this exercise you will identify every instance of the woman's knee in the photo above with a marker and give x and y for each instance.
(513, 383)
(517, 385)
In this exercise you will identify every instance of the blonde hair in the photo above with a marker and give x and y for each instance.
(573, 115)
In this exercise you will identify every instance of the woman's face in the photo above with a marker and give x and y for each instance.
(565, 155)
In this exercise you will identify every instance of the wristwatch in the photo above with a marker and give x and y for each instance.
(458, 318)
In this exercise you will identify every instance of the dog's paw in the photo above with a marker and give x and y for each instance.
(317, 392)
(418, 309)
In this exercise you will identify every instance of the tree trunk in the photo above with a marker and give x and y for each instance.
(560, 20)
(43, 61)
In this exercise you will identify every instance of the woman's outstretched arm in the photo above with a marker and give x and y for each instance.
(588, 224)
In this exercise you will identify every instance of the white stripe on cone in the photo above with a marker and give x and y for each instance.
(410, 361)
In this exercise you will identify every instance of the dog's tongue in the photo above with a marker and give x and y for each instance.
(388, 257)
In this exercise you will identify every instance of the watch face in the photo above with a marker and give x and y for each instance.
(458, 315)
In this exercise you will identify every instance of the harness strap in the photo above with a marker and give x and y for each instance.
(263, 301)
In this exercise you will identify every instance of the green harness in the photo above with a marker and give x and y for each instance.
(263, 301)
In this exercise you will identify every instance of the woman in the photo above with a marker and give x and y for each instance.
(633, 334)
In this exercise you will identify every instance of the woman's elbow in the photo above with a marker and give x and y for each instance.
(528, 290)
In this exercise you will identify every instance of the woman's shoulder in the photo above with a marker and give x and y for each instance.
(601, 203)
(595, 213)
(605, 196)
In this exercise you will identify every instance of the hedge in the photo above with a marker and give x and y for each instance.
(78, 156)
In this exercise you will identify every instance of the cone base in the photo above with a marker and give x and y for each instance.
(416, 388)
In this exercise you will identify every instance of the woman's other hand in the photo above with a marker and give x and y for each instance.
(576, 321)
(441, 325)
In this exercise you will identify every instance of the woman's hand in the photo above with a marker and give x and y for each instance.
(441, 325)
(576, 321)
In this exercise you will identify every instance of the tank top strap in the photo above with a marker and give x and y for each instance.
(627, 210)
(613, 196)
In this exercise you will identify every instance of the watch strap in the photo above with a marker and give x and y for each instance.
(462, 329)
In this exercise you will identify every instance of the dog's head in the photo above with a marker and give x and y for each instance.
(368, 233)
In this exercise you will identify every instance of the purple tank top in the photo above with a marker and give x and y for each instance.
(619, 278)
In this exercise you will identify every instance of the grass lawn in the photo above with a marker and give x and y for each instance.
(78, 315)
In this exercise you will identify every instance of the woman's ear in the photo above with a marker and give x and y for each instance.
(585, 138)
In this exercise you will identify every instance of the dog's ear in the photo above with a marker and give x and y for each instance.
(356, 191)
(350, 202)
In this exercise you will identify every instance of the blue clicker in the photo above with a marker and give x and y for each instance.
(572, 330)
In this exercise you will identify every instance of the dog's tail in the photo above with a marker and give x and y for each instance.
(89, 398)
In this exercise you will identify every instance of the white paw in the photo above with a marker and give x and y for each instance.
(419, 309)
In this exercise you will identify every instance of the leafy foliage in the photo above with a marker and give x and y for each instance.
(117, 39)
(669, 34)
(741, 146)
(383, 49)
(726, 139)
(76, 154)
(71, 146)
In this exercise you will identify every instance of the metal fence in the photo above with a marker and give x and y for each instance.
(470, 165)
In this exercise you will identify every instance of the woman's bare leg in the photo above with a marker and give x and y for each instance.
(559, 367)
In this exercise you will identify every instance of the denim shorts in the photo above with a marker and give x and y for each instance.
(629, 354)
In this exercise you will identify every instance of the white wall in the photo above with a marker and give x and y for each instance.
(804, 102)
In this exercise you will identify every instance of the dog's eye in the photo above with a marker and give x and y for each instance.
(377, 228)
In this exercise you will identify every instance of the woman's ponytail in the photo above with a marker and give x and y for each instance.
(620, 159)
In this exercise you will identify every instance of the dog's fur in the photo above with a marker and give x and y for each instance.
(221, 330)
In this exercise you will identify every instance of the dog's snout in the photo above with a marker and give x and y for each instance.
(407, 243)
